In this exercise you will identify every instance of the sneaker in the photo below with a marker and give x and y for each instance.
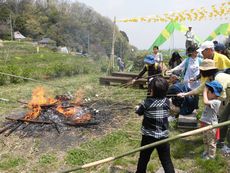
(225, 149)
(204, 154)
(208, 158)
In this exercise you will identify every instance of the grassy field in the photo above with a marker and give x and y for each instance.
(25, 154)
(122, 134)
(21, 58)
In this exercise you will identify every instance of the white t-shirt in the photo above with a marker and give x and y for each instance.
(189, 36)
(158, 57)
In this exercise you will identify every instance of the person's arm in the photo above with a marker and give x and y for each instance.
(180, 66)
(192, 36)
(205, 96)
(195, 91)
(140, 109)
(186, 34)
(142, 72)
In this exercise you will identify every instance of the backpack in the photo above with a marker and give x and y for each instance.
(187, 62)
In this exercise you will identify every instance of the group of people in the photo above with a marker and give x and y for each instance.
(194, 75)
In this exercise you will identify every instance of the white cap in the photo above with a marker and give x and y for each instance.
(206, 45)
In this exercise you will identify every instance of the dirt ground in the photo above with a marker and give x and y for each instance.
(36, 143)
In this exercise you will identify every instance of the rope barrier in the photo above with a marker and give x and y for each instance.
(182, 135)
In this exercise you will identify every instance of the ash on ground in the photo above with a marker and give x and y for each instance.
(62, 136)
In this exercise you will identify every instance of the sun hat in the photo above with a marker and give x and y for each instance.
(208, 64)
(149, 59)
(192, 48)
(219, 47)
(216, 86)
(206, 45)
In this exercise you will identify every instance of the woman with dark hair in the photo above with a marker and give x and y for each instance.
(175, 60)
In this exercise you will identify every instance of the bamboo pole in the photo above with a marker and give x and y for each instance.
(182, 135)
(34, 80)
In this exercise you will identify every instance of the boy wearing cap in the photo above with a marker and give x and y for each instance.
(151, 67)
(211, 93)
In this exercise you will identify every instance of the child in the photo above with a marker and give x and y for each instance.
(155, 125)
(151, 67)
(210, 95)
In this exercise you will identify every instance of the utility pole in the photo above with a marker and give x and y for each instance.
(113, 43)
(88, 42)
(11, 28)
(121, 50)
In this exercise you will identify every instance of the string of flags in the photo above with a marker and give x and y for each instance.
(221, 11)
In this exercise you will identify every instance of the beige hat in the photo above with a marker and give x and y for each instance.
(208, 64)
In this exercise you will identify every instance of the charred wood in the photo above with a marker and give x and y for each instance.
(29, 121)
(6, 127)
(81, 124)
(14, 128)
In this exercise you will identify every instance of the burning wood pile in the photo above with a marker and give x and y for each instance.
(57, 113)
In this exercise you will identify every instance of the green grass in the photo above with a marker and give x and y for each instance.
(20, 58)
(219, 165)
(124, 137)
(10, 162)
(185, 152)
(47, 159)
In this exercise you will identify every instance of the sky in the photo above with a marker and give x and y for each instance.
(143, 34)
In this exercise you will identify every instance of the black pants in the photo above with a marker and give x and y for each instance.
(163, 153)
(196, 101)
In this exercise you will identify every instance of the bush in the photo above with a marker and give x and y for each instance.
(15, 70)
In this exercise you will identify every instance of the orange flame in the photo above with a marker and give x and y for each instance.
(34, 113)
(83, 118)
(67, 111)
(39, 99)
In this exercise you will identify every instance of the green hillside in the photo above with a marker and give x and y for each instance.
(21, 58)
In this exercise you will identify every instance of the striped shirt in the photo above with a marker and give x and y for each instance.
(155, 121)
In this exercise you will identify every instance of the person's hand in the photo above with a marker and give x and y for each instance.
(136, 107)
(133, 81)
(181, 95)
(169, 72)
(192, 79)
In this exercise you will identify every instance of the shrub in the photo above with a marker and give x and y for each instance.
(15, 70)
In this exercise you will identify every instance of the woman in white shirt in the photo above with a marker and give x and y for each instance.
(190, 67)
